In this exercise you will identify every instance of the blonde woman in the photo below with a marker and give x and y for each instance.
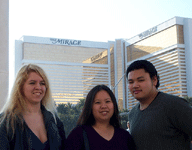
(28, 119)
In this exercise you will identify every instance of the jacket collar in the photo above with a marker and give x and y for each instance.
(48, 116)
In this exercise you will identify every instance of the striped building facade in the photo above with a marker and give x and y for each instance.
(75, 66)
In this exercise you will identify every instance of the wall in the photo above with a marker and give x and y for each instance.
(4, 50)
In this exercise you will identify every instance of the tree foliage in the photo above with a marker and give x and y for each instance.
(69, 114)
(124, 118)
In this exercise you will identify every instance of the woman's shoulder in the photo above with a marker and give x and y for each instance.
(123, 132)
(49, 116)
(77, 130)
(120, 130)
(123, 136)
(75, 139)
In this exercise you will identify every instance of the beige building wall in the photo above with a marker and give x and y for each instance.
(166, 50)
(4, 50)
(72, 69)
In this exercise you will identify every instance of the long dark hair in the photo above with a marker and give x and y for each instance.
(87, 118)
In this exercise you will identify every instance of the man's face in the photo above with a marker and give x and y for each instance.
(141, 86)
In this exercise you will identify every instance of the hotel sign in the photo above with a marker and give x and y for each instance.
(148, 32)
(65, 42)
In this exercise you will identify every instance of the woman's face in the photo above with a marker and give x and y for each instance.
(103, 107)
(34, 88)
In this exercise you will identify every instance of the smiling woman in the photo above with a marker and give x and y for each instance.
(34, 88)
(103, 108)
(25, 121)
(100, 120)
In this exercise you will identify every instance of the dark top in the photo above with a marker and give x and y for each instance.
(35, 141)
(121, 140)
(166, 124)
(21, 139)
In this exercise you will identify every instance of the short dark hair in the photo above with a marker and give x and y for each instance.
(147, 66)
(87, 118)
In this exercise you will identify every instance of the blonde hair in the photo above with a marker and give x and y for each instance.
(16, 103)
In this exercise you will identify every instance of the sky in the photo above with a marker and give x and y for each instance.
(90, 20)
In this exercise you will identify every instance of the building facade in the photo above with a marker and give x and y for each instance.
(169, 47)
(74, 66)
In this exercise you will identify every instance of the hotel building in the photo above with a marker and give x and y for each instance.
(74, 66)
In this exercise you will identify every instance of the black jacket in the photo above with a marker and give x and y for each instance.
(20, 140)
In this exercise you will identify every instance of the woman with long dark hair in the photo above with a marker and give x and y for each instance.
(101, 122)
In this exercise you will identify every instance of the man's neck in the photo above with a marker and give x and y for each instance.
(145, 103)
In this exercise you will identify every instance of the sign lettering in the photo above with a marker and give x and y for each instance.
(148, 32)
(65, 42)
